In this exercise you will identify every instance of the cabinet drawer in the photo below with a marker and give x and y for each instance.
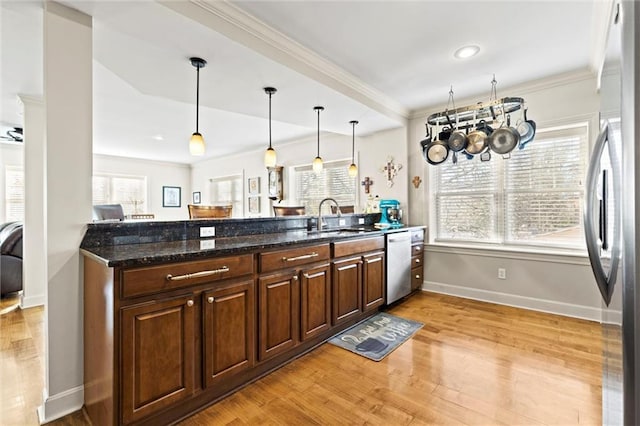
(362, 245)
(416, 278)
(416, 250)
(416, 261)
(417, 236)
(140, 281)
(282, 259)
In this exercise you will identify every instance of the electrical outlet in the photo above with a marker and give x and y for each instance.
(207, 244)
(361, 221)
(502, 273)
(207, 231)
(342, 222)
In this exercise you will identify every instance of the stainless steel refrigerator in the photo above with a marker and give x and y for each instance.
(611, 208)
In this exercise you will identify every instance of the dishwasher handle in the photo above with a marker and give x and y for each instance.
(403, 236)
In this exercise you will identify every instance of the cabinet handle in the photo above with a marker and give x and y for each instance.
(189, 303)
(417, 248)
(210, 299)
(304, 256)
(197, 274)
(418, 276)
(295, 277)
(417, 260)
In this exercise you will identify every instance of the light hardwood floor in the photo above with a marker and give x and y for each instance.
(472, 363)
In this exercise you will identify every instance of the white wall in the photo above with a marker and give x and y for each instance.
(371, 154)
(11, 154)
(158, 174)
(553, 283)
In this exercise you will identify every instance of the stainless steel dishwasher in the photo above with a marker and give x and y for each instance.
(398, 265)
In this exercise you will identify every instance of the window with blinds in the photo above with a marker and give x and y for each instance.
(334, 181)
(129, 191)
(228, 190)
(533, 198)
(14, 194)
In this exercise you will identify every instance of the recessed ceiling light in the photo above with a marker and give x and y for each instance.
(466, 51)
(158, 137)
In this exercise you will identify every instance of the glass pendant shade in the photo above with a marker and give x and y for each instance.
(353, 170)
(270, 157)
(317, 165)
(196, 144)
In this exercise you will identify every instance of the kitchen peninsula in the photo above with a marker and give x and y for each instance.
(175, 321)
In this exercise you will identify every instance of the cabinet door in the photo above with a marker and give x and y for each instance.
(373, 281)
(315, 296)
(279, 314)
(157, 351)
(347, 289)
(229, 331)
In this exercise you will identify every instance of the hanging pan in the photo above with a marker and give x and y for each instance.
(458, 139)
(527, 130)
(435, 152)
(504, 139)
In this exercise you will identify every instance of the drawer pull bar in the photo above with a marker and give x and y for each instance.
(197, 274)
(304, 256)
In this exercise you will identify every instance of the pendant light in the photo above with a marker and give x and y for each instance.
(270, 153)
(317, 162)
(353, 169)
(196, 143)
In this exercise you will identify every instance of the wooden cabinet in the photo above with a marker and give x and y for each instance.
(157, 347)
(315, 301)
(229, 330)
(373, 277)
(279, 314)
(417, 258)
(347, 289)
(358, 277)
(295, 302)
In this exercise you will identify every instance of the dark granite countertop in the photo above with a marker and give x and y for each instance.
(126, 255)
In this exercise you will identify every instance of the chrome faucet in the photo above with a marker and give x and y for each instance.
(320, 211)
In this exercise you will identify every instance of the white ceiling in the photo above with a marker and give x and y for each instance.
(372, 61)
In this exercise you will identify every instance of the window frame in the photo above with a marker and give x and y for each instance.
(333, 164)
(111, 176)
(502, 243)
(238, 209)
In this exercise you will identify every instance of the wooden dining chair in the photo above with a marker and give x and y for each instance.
(288, 211)
(209, 212)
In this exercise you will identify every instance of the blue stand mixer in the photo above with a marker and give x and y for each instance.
(391, 216)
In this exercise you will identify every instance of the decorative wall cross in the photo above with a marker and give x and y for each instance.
(367, 184)
(390, 170)
(416, 181)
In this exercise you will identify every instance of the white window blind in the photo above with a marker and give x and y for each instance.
(334, 181)
(129, 191)
(14, 194)
(228, 190)
(533, 198)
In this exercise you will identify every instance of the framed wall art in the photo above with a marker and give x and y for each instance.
(254, 205)
(171, 196)
(196, 198)
(254, 185)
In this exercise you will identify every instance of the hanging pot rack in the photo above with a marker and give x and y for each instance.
(465, 116)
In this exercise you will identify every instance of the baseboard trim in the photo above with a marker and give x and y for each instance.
(32, 301)
(61, 404)
(541, 305)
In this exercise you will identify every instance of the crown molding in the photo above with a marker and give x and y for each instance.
(233, 22)
(520, 90)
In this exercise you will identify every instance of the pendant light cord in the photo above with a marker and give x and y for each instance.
(197, 96)
(318, 132)
(353, 142)
(270, 120)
